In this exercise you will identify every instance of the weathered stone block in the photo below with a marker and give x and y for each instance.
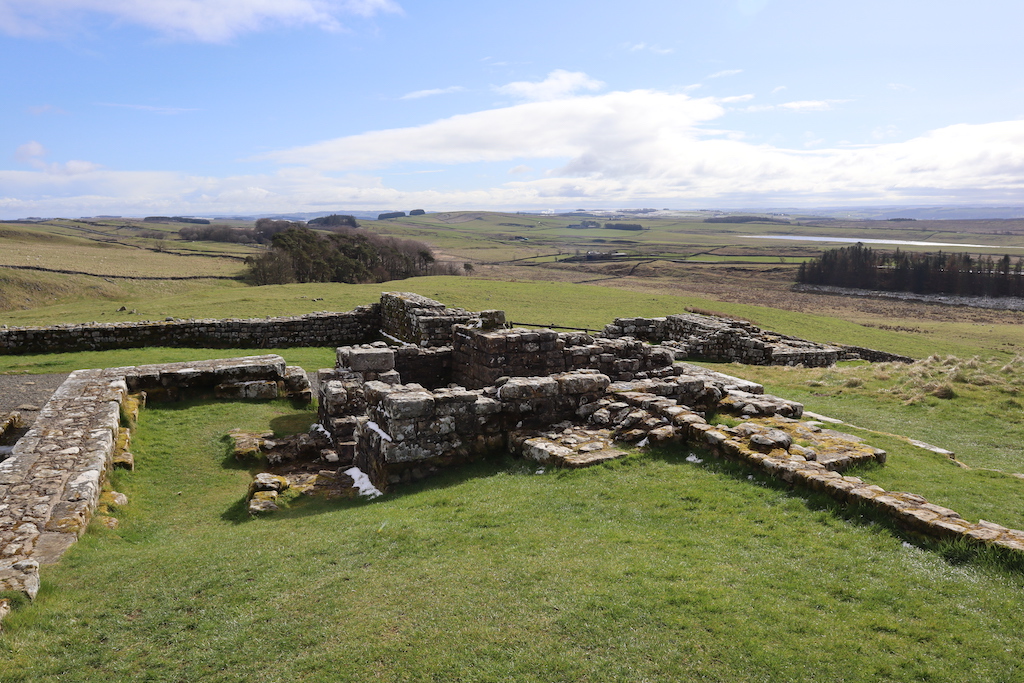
(371, 360)
(528, 387)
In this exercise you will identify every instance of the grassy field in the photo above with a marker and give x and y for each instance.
(651, 569)
(54, 251)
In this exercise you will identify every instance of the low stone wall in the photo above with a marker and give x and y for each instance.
(872, 355)
(316, 329)
(722, 339)
(51, 484)
(481, 357)
(421, 321)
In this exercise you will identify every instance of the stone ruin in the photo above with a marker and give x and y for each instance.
(451, 387)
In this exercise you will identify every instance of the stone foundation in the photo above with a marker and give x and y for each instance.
(315, 329)
(51, 484)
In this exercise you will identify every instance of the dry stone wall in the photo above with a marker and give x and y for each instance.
(421, 321)
(722, 339)
(481, 357)
(315, 329)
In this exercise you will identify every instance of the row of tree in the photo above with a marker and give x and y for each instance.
(261, 233)
(299, 254)
(900, 271)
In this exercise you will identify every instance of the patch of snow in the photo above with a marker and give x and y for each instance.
(694, 459)
(375, 427)
(363, 483)
(642, 443)
(317, 427)
(540, 471)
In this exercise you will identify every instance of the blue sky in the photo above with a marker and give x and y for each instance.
(201, 107)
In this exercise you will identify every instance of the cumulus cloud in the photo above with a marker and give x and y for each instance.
(559, 84)
(430, 93)
(204, 20)
(640, 147)
(563, 128)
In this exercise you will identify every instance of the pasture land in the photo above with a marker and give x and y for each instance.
(651, 568)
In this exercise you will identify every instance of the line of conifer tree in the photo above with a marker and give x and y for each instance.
(900, 271)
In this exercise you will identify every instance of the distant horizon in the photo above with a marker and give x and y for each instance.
(986, 213)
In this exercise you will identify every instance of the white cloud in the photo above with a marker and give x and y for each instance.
(613, 149)
(642, 47)
(563, 128)
(810, 105)
(559, 84)
(812, 140)
(32, 153)
(29, 152)
(798, 106)
(726, 72)
(430, 93)
(899, 86)
(777, 89)
(204, 20)
(735, 98)
(883, 132)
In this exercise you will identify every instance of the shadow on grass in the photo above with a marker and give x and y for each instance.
(306, 506)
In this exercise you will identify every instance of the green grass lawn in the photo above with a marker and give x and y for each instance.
(652, 568)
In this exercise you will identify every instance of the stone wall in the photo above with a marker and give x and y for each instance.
(316, 329)
(421, 321)
(51, 484)
(722, 339)
(872, 355)
(411, 431)
(481, 357)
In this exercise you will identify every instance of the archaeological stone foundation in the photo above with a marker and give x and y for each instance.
(419, 387)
